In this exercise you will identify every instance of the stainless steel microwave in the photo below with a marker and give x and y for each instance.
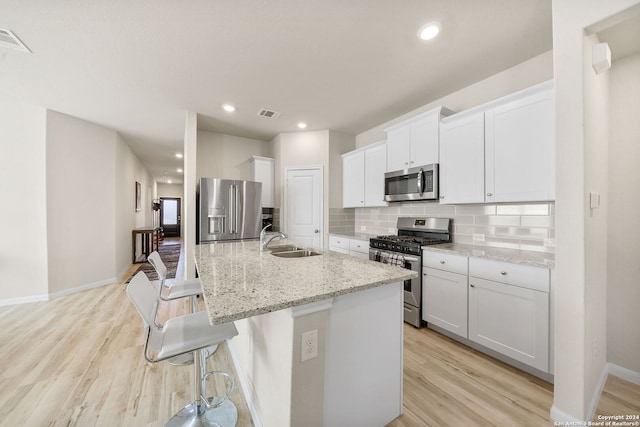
(418, 183)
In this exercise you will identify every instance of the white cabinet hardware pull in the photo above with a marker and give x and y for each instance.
(504, 273)
(472, 285)
(489, 194)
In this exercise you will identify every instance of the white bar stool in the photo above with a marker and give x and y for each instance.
(179, 335)
(178, 289)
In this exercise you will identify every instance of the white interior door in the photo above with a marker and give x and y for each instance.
(304, 194)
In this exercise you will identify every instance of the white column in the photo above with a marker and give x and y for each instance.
(189, 197)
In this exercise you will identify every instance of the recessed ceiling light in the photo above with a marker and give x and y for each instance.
(179, 155)
(169, 182)
(429, 30)
(179, 170)
(229, 108)
(302, 125)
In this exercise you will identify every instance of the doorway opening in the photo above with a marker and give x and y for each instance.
(170, 216)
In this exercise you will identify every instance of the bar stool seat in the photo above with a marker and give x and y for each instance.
(181, 335)
(174, 290)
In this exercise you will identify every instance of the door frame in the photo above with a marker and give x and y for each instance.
(179, 219)
(285, 219)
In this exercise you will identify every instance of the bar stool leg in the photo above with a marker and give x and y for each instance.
(196, 413)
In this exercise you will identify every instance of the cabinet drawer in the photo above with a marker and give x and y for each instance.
(447, 262)
(359, 246)
(525, 276)
(338, 242)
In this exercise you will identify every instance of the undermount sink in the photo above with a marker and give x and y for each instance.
(299, 253)
(284, 248)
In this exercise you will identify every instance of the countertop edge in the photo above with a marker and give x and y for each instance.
(219, 320)
(514, 256)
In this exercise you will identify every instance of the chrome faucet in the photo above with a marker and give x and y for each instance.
(266, 238)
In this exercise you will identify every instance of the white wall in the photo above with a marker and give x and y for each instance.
(226, 156)
(23, 220)
(80, 201)
(623, 316)
(576, 145)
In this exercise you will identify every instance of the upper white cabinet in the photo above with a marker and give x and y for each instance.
(363, 176)
(462, 158)
(414, 142)
(519, 144)
(263, 170)
(500, 152)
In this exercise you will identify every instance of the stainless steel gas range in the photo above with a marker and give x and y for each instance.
(404, 249)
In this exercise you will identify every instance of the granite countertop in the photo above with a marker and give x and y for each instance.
(239, 281)
(532, 258)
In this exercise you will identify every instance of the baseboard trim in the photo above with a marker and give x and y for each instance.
(81, 288)
(593, 406)
(559, 416)
(623, 373)
(54, 295)
(245, 386)
(23, 300)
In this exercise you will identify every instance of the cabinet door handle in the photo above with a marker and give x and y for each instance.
(504, 273)
(472, 285)
(441, 261)
(489, 194)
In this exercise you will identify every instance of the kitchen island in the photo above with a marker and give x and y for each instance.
(349, 312)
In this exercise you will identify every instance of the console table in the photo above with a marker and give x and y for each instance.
(149, 240)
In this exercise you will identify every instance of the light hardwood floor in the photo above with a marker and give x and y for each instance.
(77, 361)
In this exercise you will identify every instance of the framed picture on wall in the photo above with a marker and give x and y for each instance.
(138, 197)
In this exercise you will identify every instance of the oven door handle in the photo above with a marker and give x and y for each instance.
(410, 259)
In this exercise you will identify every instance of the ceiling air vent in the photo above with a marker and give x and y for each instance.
(8, 39)
(269, 114)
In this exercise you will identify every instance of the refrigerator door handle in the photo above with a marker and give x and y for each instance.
(232, 208)
(236, 209)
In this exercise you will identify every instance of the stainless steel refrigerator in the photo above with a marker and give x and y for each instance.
(228, 210)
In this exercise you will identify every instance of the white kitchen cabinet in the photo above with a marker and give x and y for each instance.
(462, 158)
(414, 142)
(511, 313)
(359, 248)
(502, 151)
(339, 244)
(519, 148)
(363, 176)
(263, 170)
(349, 246)
(444, 292)
(375, 165)
(353, 179)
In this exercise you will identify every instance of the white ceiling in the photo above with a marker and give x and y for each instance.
(137, 66)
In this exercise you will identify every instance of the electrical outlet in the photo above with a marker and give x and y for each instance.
(309, 346)
(363, 228)
(478, 237)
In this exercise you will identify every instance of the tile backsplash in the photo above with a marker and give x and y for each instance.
(528, 227)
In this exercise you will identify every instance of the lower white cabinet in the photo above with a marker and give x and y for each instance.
(359, 248)
(501, 306)
(349, 246)
(511, 320)
(444, 300)
(509, 310)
